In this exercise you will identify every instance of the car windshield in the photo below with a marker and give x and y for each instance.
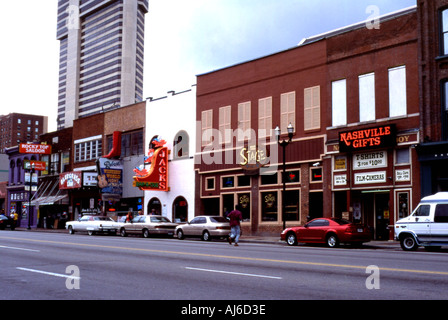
(218, 219)
(341, 221)
(160, 219)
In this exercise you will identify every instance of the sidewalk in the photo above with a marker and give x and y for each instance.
(257, 239)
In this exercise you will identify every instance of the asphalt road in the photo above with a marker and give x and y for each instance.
(44, 266)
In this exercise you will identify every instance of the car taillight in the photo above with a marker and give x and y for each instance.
(350, 229)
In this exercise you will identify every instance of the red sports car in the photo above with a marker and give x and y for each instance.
(331, 231)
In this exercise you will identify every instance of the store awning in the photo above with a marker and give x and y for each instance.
(48, 193)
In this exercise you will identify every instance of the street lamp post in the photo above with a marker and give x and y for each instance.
(284, 144)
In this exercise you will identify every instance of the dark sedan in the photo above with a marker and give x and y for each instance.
(6, 222)
(329, 231)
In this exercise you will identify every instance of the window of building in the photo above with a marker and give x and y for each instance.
(445, 110)
(269, 206)
(207, 127)
(131, 144)
(316, 175)
(225, 114)
(402, 156)
(292, 205)
(88, 149)
(268, 179)
(244, 202)
(265, 117)
(312, 108)
(287, 111)
(444, 31)
(244, 123)
(397, 92)
(243, 181)
(339, 103)
(367, 97)
(210, 183)
(228, 182)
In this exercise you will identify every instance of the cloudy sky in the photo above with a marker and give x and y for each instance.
(183, 39)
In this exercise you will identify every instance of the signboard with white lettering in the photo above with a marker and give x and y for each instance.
(370, 160)
(371, 177)
(340, 180)
(403, 175)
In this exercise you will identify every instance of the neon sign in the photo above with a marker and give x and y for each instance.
(156, 178)
(379, 137)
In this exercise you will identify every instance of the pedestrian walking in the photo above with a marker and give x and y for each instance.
(235, 225)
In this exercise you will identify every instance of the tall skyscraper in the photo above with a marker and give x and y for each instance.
(101, 56)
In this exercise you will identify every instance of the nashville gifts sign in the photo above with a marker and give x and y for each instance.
(156, 179)
(378, 137)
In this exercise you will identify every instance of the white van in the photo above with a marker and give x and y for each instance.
(427, 226)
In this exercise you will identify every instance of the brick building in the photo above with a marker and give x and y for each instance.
(16, 128)
(341, 82)
(433, 68)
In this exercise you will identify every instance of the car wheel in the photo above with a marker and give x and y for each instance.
(291, 239)
(146, 233)
(408, 243)
(123, 232)
(70, 230)
(332, 241)
(206, 236)
(180, 234)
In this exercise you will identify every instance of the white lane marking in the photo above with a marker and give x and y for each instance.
(21, 249)
(50, 273)
(235, 273)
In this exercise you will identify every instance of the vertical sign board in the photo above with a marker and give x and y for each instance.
(156, 179)
(110, 176)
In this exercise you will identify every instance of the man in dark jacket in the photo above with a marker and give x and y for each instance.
(235, 227)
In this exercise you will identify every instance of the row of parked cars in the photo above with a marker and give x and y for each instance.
(329, 231)
(206, 227)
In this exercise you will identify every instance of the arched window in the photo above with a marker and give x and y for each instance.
(181, 145)
(12, 166)
(180, 210)
(154, 207)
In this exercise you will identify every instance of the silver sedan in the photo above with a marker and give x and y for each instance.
(206, 227)
(149, 225)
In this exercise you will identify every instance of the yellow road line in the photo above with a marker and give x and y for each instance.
(320, 264)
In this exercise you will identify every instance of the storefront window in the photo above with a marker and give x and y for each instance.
(403, 205)
(269, 205)
(244, 202)
(292, 200)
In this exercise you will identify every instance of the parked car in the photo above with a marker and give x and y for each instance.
(93, 224)
(206, 227)
(6, 222)
(149, 225)
(427, 226)
(329, 231)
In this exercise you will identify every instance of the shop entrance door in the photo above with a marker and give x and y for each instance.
(382, 216)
